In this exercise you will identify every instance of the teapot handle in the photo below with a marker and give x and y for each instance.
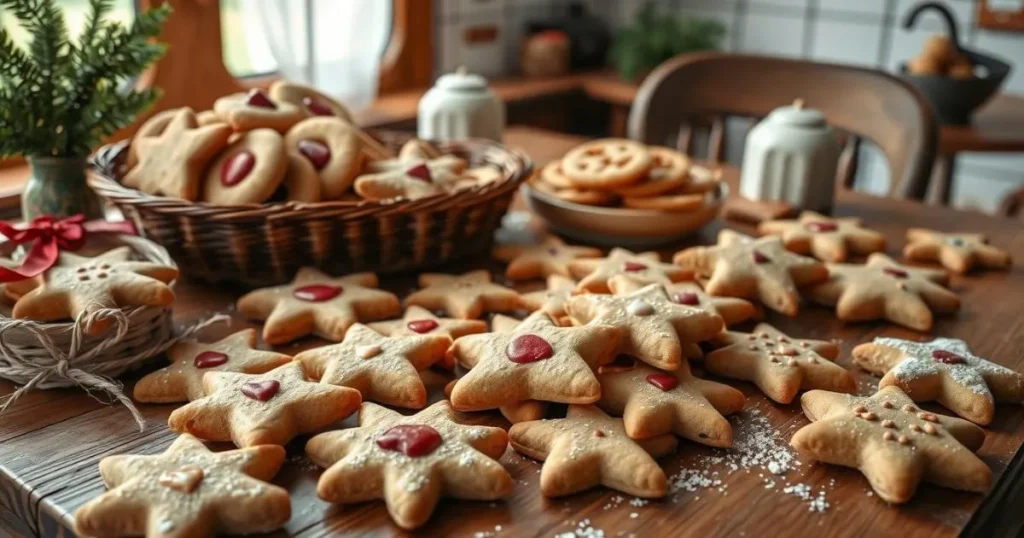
(910, 20)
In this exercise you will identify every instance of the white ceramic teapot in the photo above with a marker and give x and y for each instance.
(791, 157)
(459, 106)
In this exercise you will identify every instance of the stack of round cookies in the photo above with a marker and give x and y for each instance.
(289, 143)
(615, 171)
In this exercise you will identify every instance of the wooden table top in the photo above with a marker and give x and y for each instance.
(51, 441)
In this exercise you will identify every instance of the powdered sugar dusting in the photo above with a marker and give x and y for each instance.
(919, 362)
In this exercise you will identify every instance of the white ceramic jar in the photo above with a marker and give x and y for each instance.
(791, 157)
(459, 106)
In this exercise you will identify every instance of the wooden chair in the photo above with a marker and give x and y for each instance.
(1012, 205)
(860, 103)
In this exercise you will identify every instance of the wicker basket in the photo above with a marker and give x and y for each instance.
(265, 244)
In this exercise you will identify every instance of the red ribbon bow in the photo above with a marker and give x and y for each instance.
(49, 237)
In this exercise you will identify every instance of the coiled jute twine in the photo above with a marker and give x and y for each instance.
(55, 355)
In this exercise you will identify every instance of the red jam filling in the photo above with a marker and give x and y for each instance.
(634, 266)
(316, 107)
(317, 293)
(317, 152)
(237, 167)
(821, 226)
(422, 325)
(687, 298)
(663, 381)
(261, 390)
(528, 348)
(947, 357)
(760, 258)
(420, 172)
(210, 359)
(259, 99)
(413, 440)
(898, 273)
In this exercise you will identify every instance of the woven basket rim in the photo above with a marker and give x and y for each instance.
(104, 178)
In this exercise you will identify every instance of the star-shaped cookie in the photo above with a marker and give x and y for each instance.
(536, 361)
(410, 462)
(654, 327)
(588, 448)
(550, 257)
(183, 379)
(884, 289)
(78, 285)
(653, 402)
(828, 239)
(383, 369)
(646, 267)
(552, 300)
(892, 442)
(779, 365)
(465, 296)
(263, 409)
(418, 320)
(958, 252)
(188, 492)
(732, 310)
(409, 179)
(762, 269)
(172, 163)
(942, 370)
(317, 303)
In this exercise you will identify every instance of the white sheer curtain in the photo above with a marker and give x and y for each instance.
(334, 45)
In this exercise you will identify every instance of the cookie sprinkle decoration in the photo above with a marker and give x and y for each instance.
(944, 370)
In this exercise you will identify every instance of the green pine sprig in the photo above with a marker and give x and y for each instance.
(62, 98)
(655, 37)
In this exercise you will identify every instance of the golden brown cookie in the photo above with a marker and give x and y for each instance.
(550, 257)
(183, 379)
(574, 195)
(669, 201)
(536, 361)
(465, 296)
(587, 449)
(943, 370)
(188, 492)
(740, 266)
(645, 267)
(256, 110)
(779, 365)
(77, 285)
(383, 369)
(669, 171)
(333, 147)
(208, 117)
(552, 300)
(480, 176)
(248, 171)
(884, 289)
(825, 238)
(154, 126)
(730, 309)
(410, 462)
(172, 163)
(958, 252)
(892, 442)
(263, 409)
(301, 180)
(410, 178)
(653, 326)
(653, 402)
(418, 320)
(315, 303)
(607, 164)
(552, 174)
(308, 100)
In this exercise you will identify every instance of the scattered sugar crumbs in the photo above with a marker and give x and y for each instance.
(582, 530)
(756, 447)
(488, 534)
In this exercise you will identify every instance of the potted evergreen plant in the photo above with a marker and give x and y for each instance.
(59, 98)
(655, 37)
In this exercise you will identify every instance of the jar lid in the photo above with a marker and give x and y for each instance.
(462, 80)
(797, 115)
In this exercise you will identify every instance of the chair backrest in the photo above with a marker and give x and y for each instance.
(862, 103)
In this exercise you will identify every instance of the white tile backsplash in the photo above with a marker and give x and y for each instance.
(846, 43)
(874, 8)
(775, 35)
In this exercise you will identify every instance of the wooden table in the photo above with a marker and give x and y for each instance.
(50, 442)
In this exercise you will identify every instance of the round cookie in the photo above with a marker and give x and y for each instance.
(669, 171)
(333, 147)
(248, 171)
(254, 110)
(301, 180)
(309, 100)
(552, 174)
(666, 202)
(608, 163)
(574, 195)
